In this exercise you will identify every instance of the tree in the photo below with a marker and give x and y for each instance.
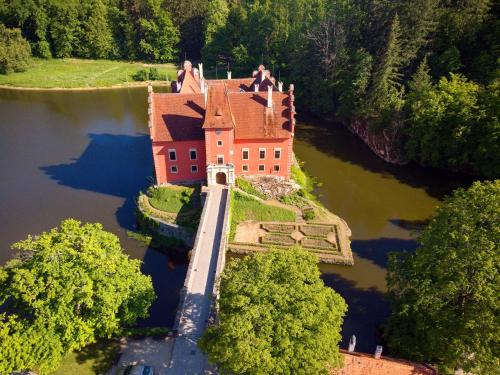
(215, 33)
(96, 34)
(66, 288)
(15, 52)
(276, 317)
(386, 94)
(453, 125)
(444, 298)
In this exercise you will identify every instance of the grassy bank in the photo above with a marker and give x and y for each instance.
(80, 73)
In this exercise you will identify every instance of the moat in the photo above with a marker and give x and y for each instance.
(86, 155)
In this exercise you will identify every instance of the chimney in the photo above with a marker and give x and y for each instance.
(269, 96)
(202, 85)
(206, 96)
(352, 344)
(200, 68)
(378, 352)
(256, 87)
(228, 75)
(280, 86)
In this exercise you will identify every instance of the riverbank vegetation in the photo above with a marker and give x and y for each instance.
(65, 289)
(276, 317)
(80, 73)
(444, 298)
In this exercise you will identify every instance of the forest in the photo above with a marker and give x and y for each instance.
(426, 70)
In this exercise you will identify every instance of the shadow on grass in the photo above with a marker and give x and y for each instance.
(104, 354)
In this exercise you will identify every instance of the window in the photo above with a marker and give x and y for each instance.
(277, 153)
(173, 169)
(276, 168)
(220, 159)
(244, 167)
(193, 154)
(218, 131)
(194, 168)
(245, 154)
(172, 155)
(219, 143)
(261, 168)
(262, 153)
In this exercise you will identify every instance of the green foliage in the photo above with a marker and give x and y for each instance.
(309, 214)
(454, 124)
(68, 287)
(151, 74)
(247, 187)
(444, 298)
(215, 32)
(140, 30)
(276, 317)
(15, 52)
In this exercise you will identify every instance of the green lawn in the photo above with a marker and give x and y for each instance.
(172, 198)
(245, 208)
(92, 360)
(78, 73)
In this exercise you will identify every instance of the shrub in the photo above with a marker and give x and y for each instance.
(15, 51)
(151, 74)
(316, 230)
(309, 214)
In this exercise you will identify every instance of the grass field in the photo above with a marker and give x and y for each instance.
(171, 199)
(93, 359)
(80, 73)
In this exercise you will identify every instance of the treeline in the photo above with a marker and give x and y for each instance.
(102, 29)
(425, 68)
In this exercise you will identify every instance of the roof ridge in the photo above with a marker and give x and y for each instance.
(226, 94)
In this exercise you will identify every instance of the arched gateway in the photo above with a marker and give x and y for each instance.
(220, 178)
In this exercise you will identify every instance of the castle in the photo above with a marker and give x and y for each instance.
(215, 130)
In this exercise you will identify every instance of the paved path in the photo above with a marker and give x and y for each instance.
(186, 357)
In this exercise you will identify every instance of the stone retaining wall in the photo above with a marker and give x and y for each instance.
(165, 228)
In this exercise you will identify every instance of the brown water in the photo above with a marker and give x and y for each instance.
(86, 155)
(83, 155)
(383, 205)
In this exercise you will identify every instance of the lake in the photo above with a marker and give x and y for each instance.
(86, 155)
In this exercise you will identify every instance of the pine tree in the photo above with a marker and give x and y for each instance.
(386, 90)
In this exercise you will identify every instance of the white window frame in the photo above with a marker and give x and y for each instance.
(172, 169)
(277, 149)
(195, 166)
(243, 152)
(265, 153)
(217, 159)
(263, 168)
(175, 153)
(221, 143)
(195, 153)
(274, 168)
(243, 168)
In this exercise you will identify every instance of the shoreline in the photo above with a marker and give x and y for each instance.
(89, 88)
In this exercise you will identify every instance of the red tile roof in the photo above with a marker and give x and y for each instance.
(255, 121)
(218, 113)
(365, 364)
(190, 83)
(177, 117)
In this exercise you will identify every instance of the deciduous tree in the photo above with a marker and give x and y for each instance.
(276, 317)
(445, 305)
(66, 288)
